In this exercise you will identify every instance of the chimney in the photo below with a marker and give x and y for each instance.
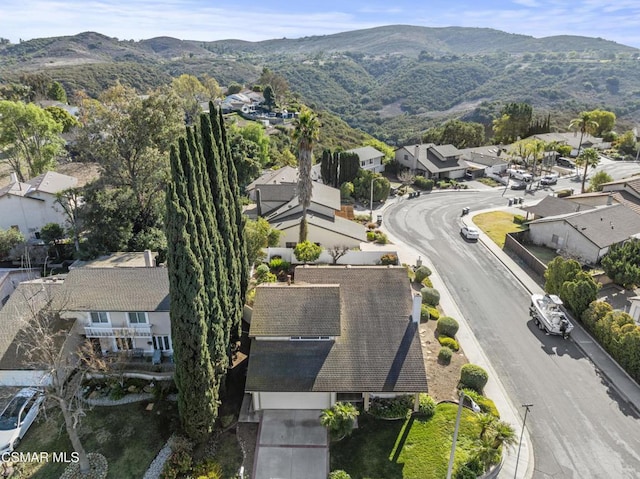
(610, 199)
(148, 259)
(415, 157)
(417, 307)
(14, 177)
(289, 279)
(258, 202)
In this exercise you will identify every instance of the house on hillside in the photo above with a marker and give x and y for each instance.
(586, 235)
(29, 206)
(370, 158)
(331, 337)
(573, 140)
(484, 161)
(246, 102)
(279, 204)
(120, 309)
(432, 161)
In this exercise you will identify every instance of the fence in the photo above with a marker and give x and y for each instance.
(513, 243)
(352, 257)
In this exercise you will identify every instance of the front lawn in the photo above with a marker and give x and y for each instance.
(128, 436)
(496, 224)
(409, 449)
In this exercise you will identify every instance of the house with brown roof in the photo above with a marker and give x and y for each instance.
(586, 235)
(432, 161)
(332, 335)
(553, 206)
(28, 206)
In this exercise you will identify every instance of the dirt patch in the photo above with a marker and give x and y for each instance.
(442, 379)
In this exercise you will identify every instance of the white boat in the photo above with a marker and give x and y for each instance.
(548, 315)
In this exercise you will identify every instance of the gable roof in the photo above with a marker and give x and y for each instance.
(632, 183)
(602, 226)
(337, 224)
(366, 153)
(378, 348)
(295, 307)
(49, 182)
(117, 289)
(553, 206)
(321, 194)
(286, 174)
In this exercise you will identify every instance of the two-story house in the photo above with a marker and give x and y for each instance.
(28, 206)
(432, 161)
(370, 158)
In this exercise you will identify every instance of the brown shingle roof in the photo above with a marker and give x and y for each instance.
(292, 310)
(552, 206)
(378, 348)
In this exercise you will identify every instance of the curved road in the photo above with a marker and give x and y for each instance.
(579, 427)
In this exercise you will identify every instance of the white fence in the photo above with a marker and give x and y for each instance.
(353, 257)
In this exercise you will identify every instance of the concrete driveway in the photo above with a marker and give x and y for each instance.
(291, 445)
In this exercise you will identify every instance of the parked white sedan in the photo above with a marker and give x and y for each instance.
(18, 416)
(470, 232)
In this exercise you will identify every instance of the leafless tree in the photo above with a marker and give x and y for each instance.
(47, 342)
(337, 252)
(406, 177)
(69, 201)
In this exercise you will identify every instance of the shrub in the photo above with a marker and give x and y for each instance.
(427, 283)
(346, 190)
(424, 183)
(424, 312)
(486, 404)
(339, 419)
(519, 219)
(371, 236)
(422, 272)
(362, 218)
(563, 193)
(444, 355)
(117, 391)
(381, 238)
(473, 377)
(179, 462)
(339, 474)
(307, 251)
(447, 326)
(389, 258)
(278, 264)
(208, 469)
(263, 275)
(391, 408)
(427, 405)
(449, 343)
(433, 313)
(443, 185)
(372, 226)
(430, 296)
(410, 273)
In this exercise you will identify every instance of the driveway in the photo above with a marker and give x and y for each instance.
(291, 444)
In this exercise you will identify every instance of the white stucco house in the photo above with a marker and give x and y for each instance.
(28, 206)
(432, 161)
(586, 235)
(370, 158)
(484, 161)
(330, 336)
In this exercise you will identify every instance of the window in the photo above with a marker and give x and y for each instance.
(554, 239)
(99, 317)
(137, 317)
(371, 161)
(406, 157)
(290, 245)
(163, 343)
(362, 163)
(310, 338)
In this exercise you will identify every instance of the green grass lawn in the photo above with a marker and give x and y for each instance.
(128, 436)
(411, 449)
(496, 224)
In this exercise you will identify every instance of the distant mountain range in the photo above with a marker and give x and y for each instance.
(391, 81)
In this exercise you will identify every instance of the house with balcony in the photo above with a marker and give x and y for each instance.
(120, 309)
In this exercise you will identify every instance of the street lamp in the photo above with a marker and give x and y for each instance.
(371, 204)
(524, 422)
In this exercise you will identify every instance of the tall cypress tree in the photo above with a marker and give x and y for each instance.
(194, 375)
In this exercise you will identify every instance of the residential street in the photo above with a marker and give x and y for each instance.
(579, 427)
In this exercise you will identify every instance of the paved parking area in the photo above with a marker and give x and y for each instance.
(291, 445)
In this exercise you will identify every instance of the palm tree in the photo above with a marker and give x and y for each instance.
(589, 158)
(306, 132)
(535, 150)
(339, 419)
(586, 124)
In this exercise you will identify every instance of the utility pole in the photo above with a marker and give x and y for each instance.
(455, 435)
(371, 205)
(524, 422)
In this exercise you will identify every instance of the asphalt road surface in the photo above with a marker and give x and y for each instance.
(579, 427)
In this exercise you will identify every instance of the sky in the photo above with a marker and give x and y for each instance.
(617, 20)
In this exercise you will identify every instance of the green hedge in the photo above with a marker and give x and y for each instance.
(519, 219)
(421, 273)
(447, 326)
(473, 377)
(424, 183)
(449, 343)
(434, 314)
(444, 355)
(427, 406)
(430, 296)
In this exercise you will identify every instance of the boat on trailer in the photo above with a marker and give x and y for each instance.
(546, 311)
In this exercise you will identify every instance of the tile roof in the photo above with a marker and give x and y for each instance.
(300, 309)
(117, 289)
(378, 348)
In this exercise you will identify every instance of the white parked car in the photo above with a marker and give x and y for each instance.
(549, 179)
(470, 232)
(18, 416)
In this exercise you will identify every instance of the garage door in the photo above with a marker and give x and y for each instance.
(295, 400)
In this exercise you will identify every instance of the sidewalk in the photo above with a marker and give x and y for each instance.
(494, 389)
